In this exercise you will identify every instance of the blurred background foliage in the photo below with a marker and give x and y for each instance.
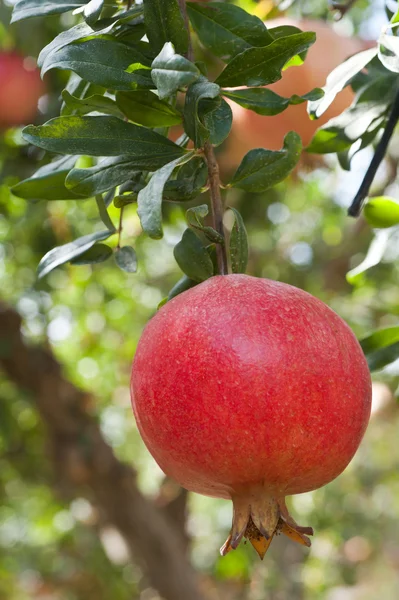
(92, 317)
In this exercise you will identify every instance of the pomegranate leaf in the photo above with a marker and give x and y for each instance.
(145, 108)
(92, 11)
(104, 62)
(189, 182)
(25, 9)
(202, 97)
(227, 30)
(238, 244)
(126, 259)
(96, 254)
(104, 136)
(260, 169)
(107, 174)
(266, 102)
(261, 66)
(170, 71)
(48, 183)
(165, 23)
(149, 199)
(88, 104)
(192, 257)
(184, 284)
(62, 254)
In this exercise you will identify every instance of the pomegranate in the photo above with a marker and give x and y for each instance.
(252, 390)
(20, 89)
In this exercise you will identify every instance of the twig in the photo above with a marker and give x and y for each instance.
(216, 205)
(356, 206)
(120, 228)
(213, 176)
(183, 8)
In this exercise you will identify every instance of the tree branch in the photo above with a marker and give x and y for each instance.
(356, 206)
(84, 460)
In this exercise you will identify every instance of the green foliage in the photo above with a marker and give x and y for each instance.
(193, 258)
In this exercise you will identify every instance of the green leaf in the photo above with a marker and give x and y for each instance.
(261, 169)
(382, 211)
(25, 9)
(145, 108)
(184, 284)
(189, 182)
(388, 52)
(381, 347)
(48, 183)
(92, 11)
(261, 66)
(165, 23)
(218, 122)
(104, 62)
(103, 212)
(170, 71)
(78, 32)
(95, 103)
(373, 257)
(104, 136)
(97, 254)
(149, 199)
(108, 173)
(238, 244)
(266, 102)
(380, 339)
(192, 257)
(341, 132)
(194, 218)
(226, 29)
(193, 126)
(62, 254)
(338, 79)
(126, 259)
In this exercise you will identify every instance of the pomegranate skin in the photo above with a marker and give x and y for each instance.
(244, 384)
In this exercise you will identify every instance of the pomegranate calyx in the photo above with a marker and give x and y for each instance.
(258, 520)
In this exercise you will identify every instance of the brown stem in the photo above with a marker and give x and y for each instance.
(183, 8)
(216, 205)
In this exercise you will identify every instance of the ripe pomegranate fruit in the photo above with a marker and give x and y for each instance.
(20, 89)
(253, 390)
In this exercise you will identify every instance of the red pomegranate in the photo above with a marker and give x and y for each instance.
(20, 89)
(253, 390)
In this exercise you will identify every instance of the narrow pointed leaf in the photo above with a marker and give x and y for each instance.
(25, 9)
(165, 23)
(192, 257)
(261, 66)
(92, 11)
(184, 284)
(62, 254)
(193, 125)
(150, 198)
(238, 244)
(108, 173)
(261, 169)
(266, 102)
(226, 29)
(95, 103)
(48, 183)
(170, 71)
(103, 62)
(145, 108)
(126, 259)
(338, 79)
(104, 136)
(218, 122)
(97, 254)
(189, 182)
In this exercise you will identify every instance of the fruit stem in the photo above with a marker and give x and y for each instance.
(216, 205)
(213, 172)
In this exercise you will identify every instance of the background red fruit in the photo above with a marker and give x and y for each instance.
(248, 387)
(20, 89)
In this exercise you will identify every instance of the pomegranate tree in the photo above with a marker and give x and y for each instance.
(252, 390)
